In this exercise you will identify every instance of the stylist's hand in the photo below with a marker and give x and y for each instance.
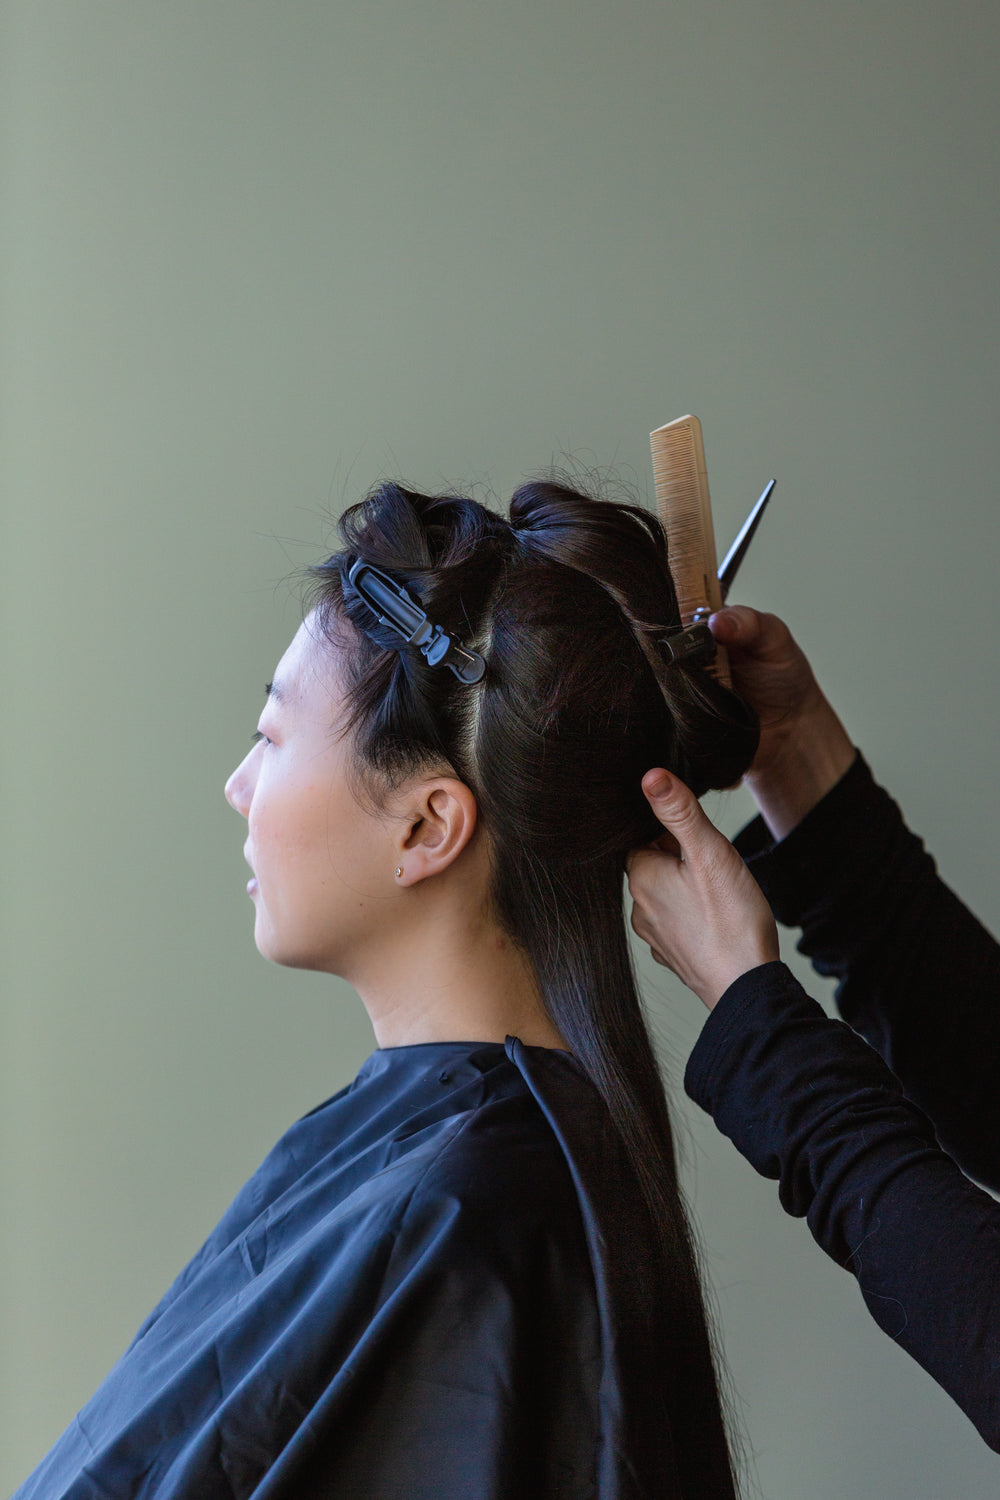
(696, 903)
(804, 749)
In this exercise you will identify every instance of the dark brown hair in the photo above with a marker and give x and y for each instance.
(566, 601)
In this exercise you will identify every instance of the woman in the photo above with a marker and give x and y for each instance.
(852, 1136)
(469, 1273)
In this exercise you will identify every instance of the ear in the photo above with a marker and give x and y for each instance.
(438, 821)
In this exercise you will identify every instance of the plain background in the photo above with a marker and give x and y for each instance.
(255, 256)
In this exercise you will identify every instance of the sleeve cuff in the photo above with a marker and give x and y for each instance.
(729, 1021)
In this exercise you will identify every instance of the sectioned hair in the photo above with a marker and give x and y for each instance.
(565, 600)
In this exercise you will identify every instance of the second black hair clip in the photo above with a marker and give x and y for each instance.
(394, 606)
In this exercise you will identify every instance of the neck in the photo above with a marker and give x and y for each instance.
(448, 978)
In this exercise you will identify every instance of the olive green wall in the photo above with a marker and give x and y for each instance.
(256, 254)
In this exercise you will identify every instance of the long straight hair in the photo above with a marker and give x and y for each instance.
(566, 601)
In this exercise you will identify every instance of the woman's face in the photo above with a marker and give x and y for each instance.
(323, 867)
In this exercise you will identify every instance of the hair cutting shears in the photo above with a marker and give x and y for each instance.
(738, 550)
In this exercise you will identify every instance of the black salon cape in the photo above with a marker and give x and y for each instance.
(426, 1292)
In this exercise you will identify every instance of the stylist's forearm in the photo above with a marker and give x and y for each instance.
(800, 768)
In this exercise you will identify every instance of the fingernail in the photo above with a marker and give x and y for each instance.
(658, 785)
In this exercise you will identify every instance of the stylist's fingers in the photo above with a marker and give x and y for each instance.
(700, 910)
(737, 625)
(678, 809)
(754, 633)
(770, 671)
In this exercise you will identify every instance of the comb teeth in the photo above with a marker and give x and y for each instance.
(681, 483)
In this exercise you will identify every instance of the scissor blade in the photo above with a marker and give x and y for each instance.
(738, 550)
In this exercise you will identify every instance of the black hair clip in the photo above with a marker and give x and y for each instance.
(396, 607)
(693, 645)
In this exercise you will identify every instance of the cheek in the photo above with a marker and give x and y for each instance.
(283, 824)
(353, 843)
(311, 839)
(313, 844)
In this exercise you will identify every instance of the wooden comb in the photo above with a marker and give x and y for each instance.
(682, 500)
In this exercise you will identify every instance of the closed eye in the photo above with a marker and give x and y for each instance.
(258, 736)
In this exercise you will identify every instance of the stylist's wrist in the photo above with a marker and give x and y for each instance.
(714, 986)
(801, 762)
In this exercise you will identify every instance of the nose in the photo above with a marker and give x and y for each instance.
(239, 788)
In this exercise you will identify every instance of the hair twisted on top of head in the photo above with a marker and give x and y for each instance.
(535, 579)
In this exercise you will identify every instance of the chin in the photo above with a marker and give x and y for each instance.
(278, 953)
(269, 945)
(288, 955)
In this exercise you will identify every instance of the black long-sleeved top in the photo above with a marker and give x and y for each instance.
(865, 1139)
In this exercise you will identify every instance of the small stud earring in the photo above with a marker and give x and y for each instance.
(399, 871)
